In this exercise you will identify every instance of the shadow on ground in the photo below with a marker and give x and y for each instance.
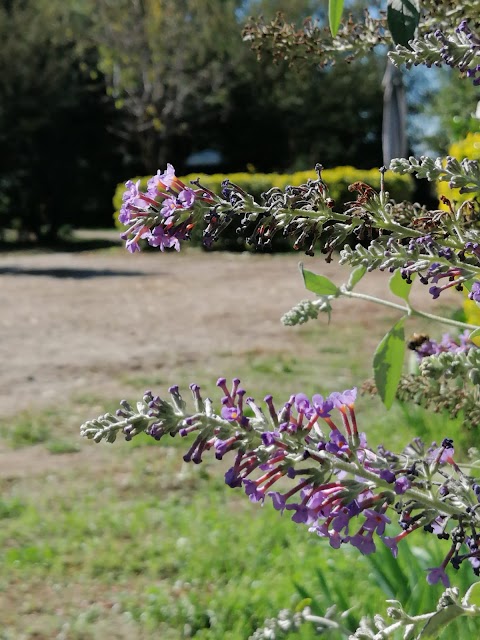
(79, 274)
(74, 245)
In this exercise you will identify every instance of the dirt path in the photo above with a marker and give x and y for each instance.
(72, 322)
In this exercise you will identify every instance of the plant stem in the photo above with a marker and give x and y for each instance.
(407, 310)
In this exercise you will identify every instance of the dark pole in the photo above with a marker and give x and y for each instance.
(394, 138)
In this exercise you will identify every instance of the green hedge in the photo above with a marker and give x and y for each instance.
(338, 181)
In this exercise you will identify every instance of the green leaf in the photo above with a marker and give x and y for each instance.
(320, 285)
(472, 597)
(399, 286)
(335, 10)
(355, 277)
(475, 334)
(403, 17)
(388, 363)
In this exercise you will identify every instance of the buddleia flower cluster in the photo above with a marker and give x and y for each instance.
(310, 461)
(441, 247)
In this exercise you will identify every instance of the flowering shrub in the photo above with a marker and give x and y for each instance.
(306, 455)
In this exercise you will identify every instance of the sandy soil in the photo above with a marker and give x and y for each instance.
(72, 322)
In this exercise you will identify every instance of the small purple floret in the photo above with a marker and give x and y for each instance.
(375, 521)
(475, 292)
(322, 406)
(278, 500)
(230, 413)
(269, 437)
(401, 485)
(392, 544)
(437, 574)
(387, 475)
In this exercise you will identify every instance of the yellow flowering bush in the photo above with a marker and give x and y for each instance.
(469, 147)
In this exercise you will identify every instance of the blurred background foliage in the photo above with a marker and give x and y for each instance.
(93, 92)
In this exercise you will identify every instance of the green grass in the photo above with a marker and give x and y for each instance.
(26, 430)
(58, 446)
(167, 550)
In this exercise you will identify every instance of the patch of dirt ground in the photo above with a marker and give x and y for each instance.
(74, 321)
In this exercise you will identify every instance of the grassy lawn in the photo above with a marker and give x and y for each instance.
(127, 541)
(137, 544)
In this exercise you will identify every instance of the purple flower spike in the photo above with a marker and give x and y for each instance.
(437, 574)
